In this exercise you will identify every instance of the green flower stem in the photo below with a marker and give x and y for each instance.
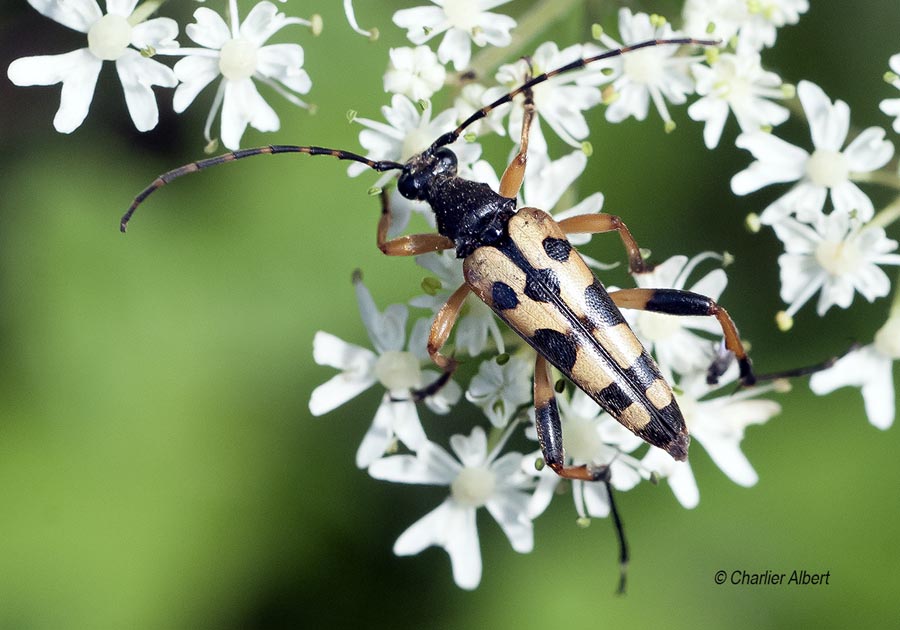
(144, 11)
(887, 215)
(533, 23)
(886, 177)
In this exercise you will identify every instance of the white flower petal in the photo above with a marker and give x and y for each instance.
(452, 527)
(776, 161)
(714, 113)
(543, 494)
(828, 123)
(336, 391)
(392, 418)
(195, 73)
(243, 105)
(283, 62)
(406, 423)
(430, 465)
(878, 395)
(119, 7)
(77, 70)
(455, 47)
(472, 449)
(78, 15)
(209, 30)
(494, 29)
(727, 455)
(891, 107)
(509, 510)
(138, 74)
(421, 23)
(158, 33)
(262, 21)
(869, 151)
(596, 499)
(847, 197)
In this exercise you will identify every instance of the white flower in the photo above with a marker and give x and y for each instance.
(591, 437)
(463, 21)
(500, 390)
(738, 83)
(408, 131)
(871, 369)
(753, 22)
(836, 256)
(717, 424)
(828, 171)
(558, 101)
(671, 338)
(110, 37)
(655, 73)
(414, 72)
(237, 53)
(398, 370)
(891, 106)
(478, 479)
(476, 320)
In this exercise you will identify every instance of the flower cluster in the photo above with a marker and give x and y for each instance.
(834, 253)
(833, 233)
(234, 52)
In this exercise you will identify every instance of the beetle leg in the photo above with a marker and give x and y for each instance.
(512, 178)
(678, 302)
(409, 244)
(440, 331)
(549, 430)
(602, 222)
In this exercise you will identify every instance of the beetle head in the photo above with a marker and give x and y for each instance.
(420, 171)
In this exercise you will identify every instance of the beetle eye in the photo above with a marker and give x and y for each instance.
(412, 185)
(406, 185)
(447, 161)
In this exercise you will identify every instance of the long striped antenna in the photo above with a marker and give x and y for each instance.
(193, 167)
(451, 136)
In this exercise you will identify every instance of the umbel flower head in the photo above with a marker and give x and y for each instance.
(394, 364)
(112, 36)
(478, 479)
(238, 53)
(462, 22)
(827, 171)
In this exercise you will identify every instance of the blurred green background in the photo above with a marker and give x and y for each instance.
(158, 464)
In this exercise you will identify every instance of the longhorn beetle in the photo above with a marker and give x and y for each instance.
(520, 263)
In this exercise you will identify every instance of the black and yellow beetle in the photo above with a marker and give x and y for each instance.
(519, 261)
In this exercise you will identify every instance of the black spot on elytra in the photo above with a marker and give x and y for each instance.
(541, 285)
(600, 308)
(667, 431)
(557, 248)
(559, 349)
(504, 296)
(643, 372)
(616, 398)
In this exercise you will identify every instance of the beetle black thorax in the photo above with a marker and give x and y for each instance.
(468, 213)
